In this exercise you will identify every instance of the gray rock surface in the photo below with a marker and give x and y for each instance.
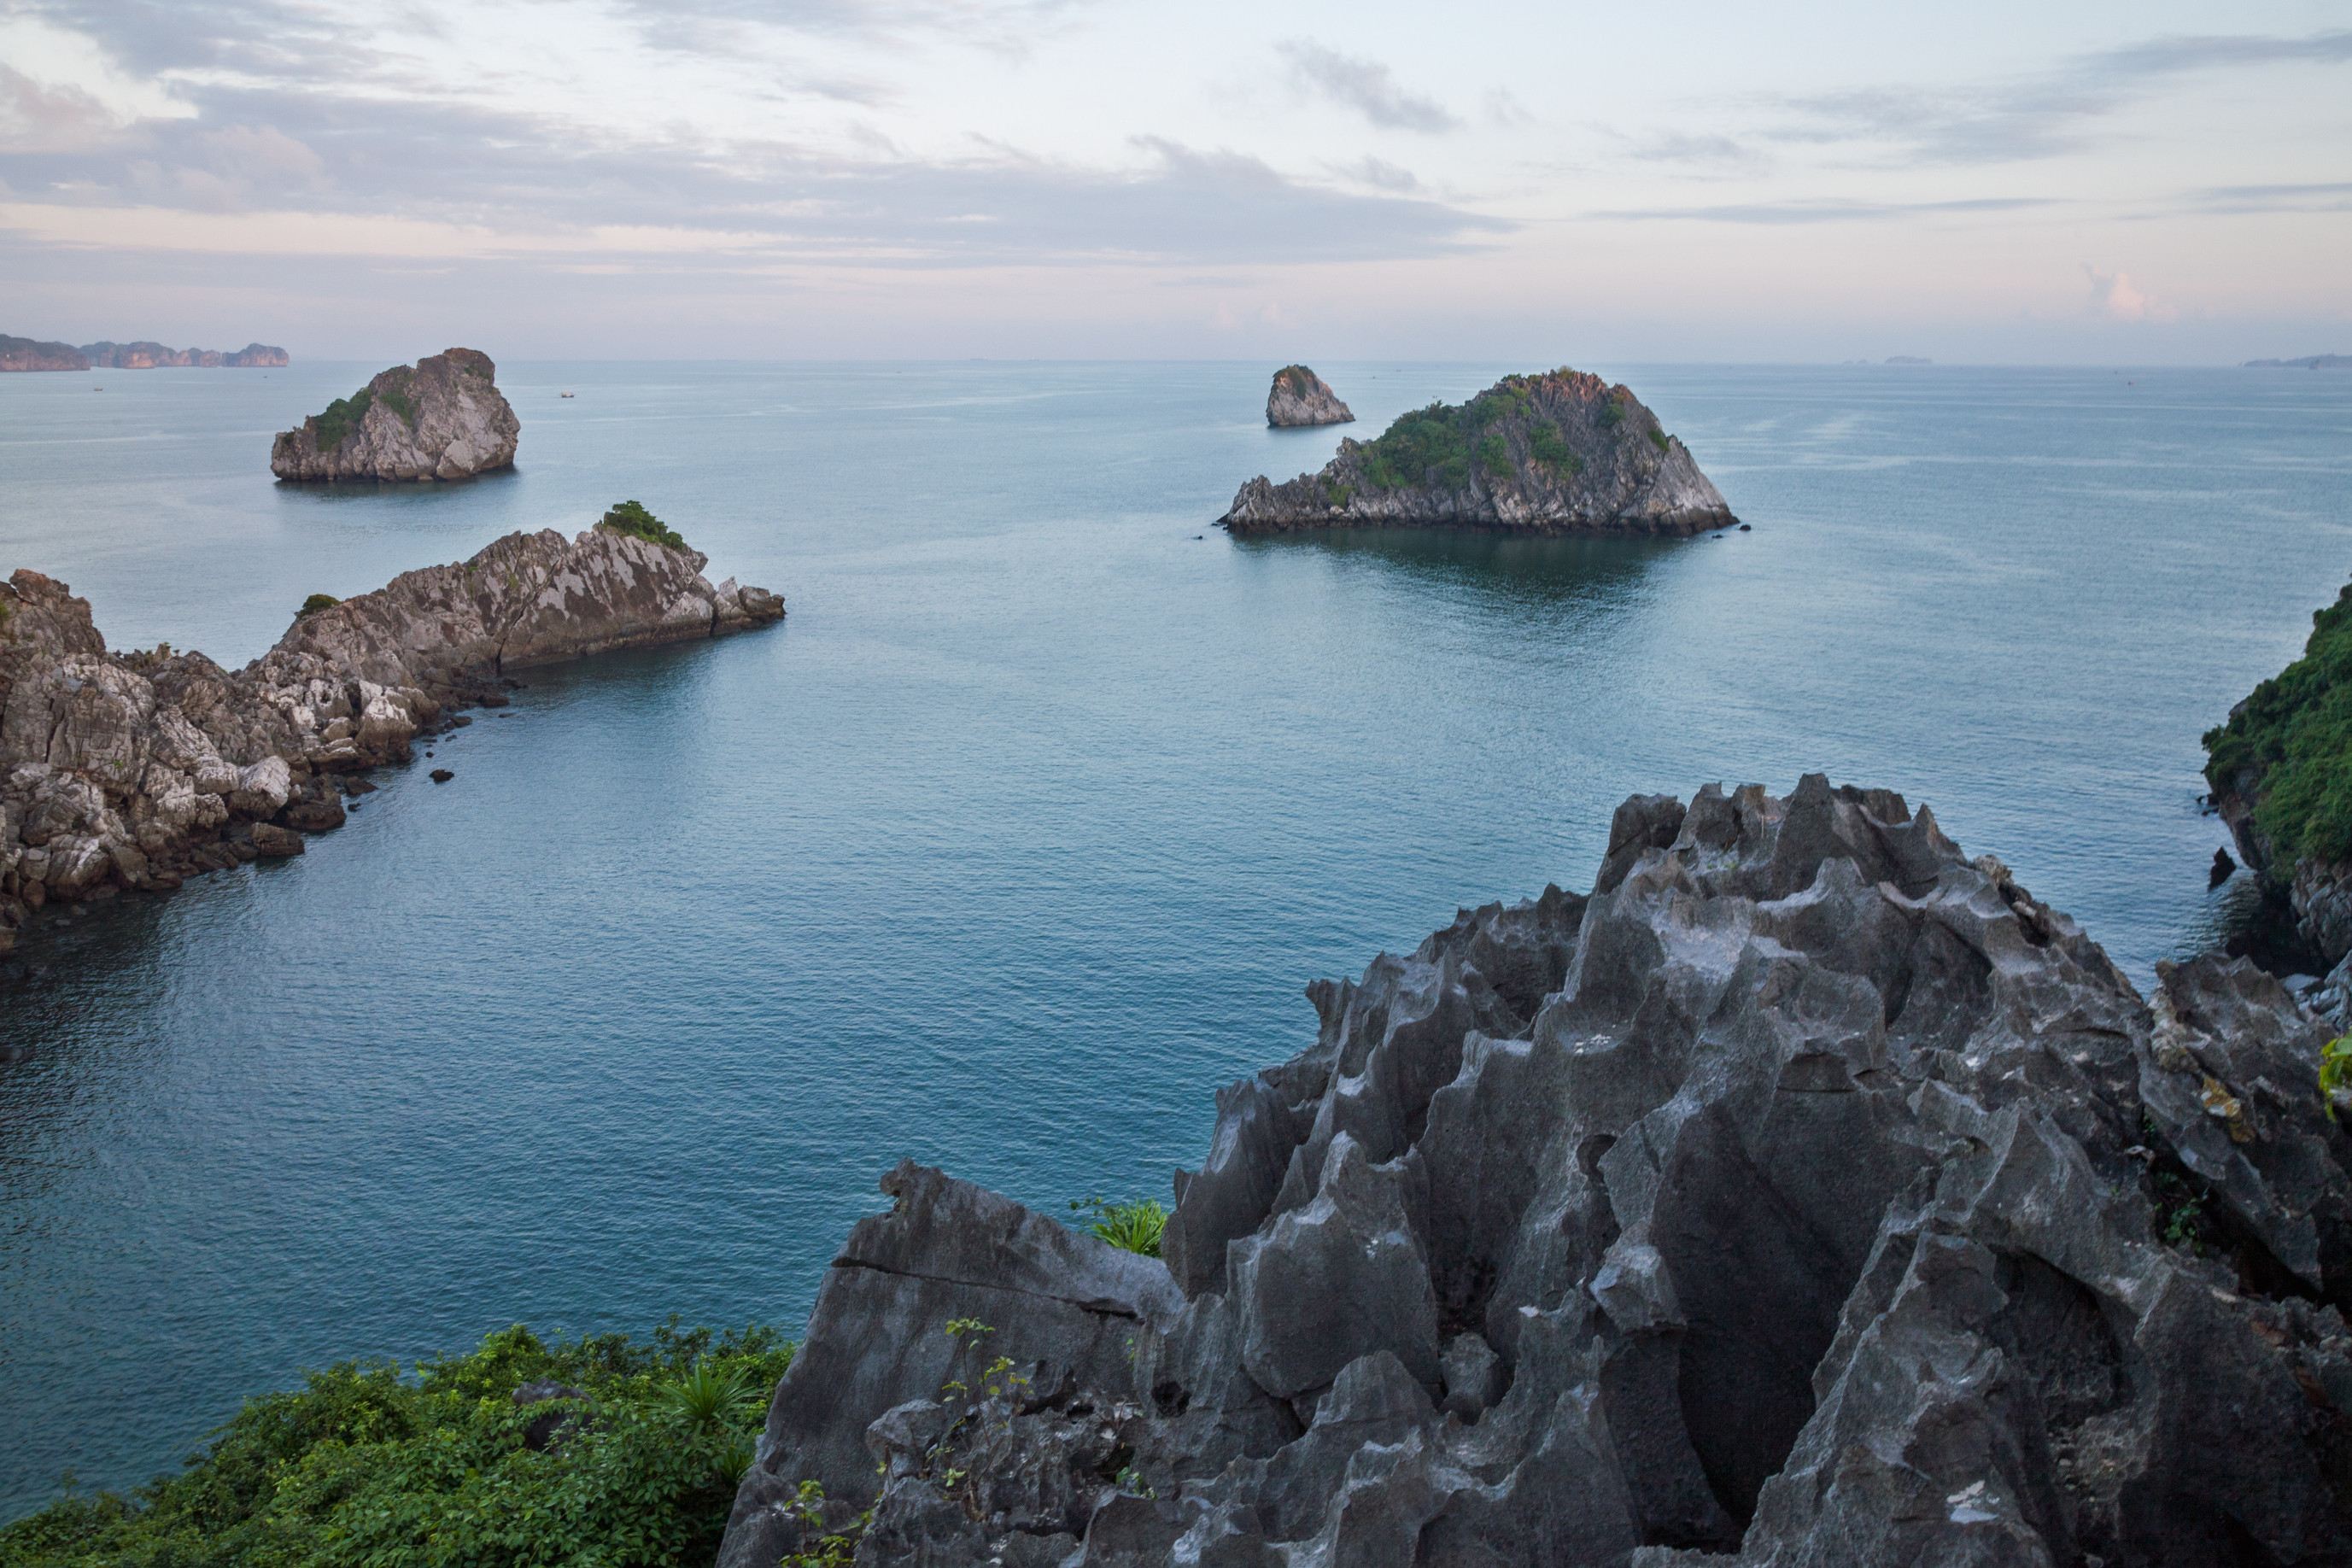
(1301, 397)
(137, 769)
(441, 418)
(1807, 1194)
(1558, 453)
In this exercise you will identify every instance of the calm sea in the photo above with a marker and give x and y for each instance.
(1022, 835)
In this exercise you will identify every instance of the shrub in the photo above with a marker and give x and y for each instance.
(363, 1466)
(2294, 735)
(1135, 1226)
(630, 517)
(2335, 1072)
(317, 601)
(1660, 439)
(340, 420)
(396, 398)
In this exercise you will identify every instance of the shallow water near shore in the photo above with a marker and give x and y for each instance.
(1023, 834)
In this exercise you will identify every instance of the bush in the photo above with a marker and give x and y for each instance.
(317, 601)
(341, 419)
(396, 398)
(630, 517)
(2294, 735)
(1135, 1226)
(361, 1468)
(1661, 440)
(1443, 444)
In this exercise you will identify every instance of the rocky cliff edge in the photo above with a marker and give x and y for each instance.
(1807, 1193)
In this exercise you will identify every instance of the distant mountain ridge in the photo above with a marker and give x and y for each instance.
(33, 353)
(2308, 362)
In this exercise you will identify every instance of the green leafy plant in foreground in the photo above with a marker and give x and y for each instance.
(2335, 1072)
(364, 1466)
(1135, 1226)
(632, 518)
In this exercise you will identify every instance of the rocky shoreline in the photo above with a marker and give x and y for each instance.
(26, 354)
(1558, 453)
(137, 769)
(1807, 1193)
(441, 418)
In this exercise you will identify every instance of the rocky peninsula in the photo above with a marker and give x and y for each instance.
(136, 770)
(440, 418)
(1807, 1193)
(1558, 453)
(1300, 397)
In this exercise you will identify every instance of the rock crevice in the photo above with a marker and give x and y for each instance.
(1807, 1193)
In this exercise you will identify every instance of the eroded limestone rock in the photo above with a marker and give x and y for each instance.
(440, 418)
(137, 769)
(1300, 397)
(1807, 1193)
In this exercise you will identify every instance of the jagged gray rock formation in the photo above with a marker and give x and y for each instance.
(1300, 397)
(441, 418)
(137, 769)
(1807, 1194)
(1558, 453)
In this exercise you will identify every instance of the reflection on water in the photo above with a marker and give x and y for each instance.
(1025, 831)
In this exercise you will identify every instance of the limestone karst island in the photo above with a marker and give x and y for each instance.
(1316, 945)
(1563, 452)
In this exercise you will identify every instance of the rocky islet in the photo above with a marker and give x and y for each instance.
(26, 353)
(1563, 452)
(441, 418)
(1807, 1193)
(1299, 397)
(136, 770)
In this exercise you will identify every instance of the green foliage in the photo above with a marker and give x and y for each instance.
(630, 517)
(1495, 455)
(1295, 378)
(1338, 494)
(1135, 1226)
(1613, 412)
(2335, 1071)
(1444, 445)
(2293, 733)
(1546, 445)
(1660, 439)
(317, 601)
(362, 1468)
(836, 1551)
(341, 419)
(396, 398)
(2182, 1210)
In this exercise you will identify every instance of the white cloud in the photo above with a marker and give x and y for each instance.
(2115, 296)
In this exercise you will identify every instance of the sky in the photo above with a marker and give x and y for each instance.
(2085, 182)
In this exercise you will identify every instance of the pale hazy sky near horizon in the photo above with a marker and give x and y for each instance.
(2085, 182)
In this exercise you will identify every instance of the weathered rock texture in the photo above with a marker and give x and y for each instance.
(441, 418)
(1300, 396)
(27, 354)
(1806, 1194)
(1560, 453)
(137, 769)
(145, 355)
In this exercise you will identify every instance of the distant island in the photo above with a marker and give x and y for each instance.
(32, 354)
(1907, 359)
(1562, 452)
(440, 418)
(2308, 362)
(1299, 397)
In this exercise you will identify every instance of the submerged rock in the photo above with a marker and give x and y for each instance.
(441, 418)
(1807, 1193)
(1300, 396)
(135, 770)
(1558, 453)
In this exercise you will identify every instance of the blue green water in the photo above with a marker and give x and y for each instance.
(1025, 831)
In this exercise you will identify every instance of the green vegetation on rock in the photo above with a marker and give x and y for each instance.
(2293, 735)
(396, 398)
(341, 419)
(317, 601)
(1135, 1226)
(630, 517)
(362, 1468)
(1443, 444)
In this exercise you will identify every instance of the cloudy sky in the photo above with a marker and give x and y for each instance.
(2087, 182)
